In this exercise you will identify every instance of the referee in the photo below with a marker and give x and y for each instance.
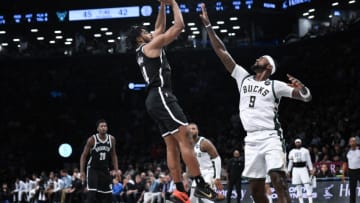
(352, 165)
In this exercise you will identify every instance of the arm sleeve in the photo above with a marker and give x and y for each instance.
(282, 89)
(217, 164)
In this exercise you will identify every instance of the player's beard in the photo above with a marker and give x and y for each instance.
(258, 68)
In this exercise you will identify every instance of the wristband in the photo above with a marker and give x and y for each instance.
(208, 25)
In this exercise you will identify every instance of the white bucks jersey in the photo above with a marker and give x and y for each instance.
(203, 158)
(259, 100)
(299, 155)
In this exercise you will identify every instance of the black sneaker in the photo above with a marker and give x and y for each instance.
(206, 192)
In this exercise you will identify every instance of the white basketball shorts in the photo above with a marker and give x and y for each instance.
(300, 175)
(264, 151)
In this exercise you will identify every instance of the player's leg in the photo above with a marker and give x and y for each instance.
(92, 185)
(255, 168)
(268, 188)
(203, 189)
(276, 165)
(299, 193)
(258, 190)
(296, 180)
(309, 190)
(174, 165)
(305, 179)
(278, 179)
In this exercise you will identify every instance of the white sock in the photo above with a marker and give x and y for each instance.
(269, 198)
(299, 194)
(309, 191)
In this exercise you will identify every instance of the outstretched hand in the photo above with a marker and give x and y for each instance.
(295, 83)
(204, 16)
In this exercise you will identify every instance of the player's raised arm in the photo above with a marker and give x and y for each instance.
(160, 23)
(300, 92)
(171, 34)
(216, 43)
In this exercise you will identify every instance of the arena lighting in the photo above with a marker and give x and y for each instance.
(136, 86)
(146, 10)
(335, 4)
(352, 1)
(269, 5)
(2, 32)
(104, 29)
(2, 20)
(65, 150)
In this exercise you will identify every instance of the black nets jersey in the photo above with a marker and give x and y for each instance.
(156, 71)
(100, 154)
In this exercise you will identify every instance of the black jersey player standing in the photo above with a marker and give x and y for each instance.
(161, 103)
(102, 150)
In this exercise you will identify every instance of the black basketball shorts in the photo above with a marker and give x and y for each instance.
(163, 107)
(99, 180)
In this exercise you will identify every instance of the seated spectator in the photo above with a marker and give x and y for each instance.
(117, 188)
(324, 172)
(5, 194)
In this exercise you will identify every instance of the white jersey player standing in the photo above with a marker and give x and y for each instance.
(209, 161)
(300, 164)
(258, 108)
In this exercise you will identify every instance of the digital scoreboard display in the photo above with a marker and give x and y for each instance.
(133, 10)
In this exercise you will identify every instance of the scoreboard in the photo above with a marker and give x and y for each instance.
(112, 9)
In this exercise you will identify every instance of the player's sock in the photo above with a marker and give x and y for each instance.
(309, 190)
(269, 198)
(299, 194)
(199, 180)
(180, 186)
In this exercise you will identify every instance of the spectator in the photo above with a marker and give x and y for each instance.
(324, 172)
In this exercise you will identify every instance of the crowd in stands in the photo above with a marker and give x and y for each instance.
(48, 101)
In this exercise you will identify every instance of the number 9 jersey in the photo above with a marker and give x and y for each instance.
(259, 100)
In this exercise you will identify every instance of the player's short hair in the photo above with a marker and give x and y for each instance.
(100, 121)
(132, 34)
